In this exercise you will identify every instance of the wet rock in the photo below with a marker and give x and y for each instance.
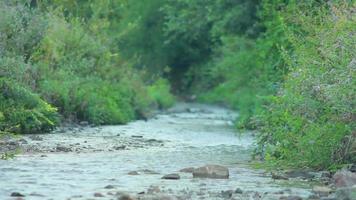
(148, 171)
(137, 136)
(171, 176)
(17, 194)
(63, 149)
(12, 143)
(98, 194)
(211, 171)
(322, 191)
(133, 173)
(36, 138)
(278, 176)
(23, 141)
(238, 191)
(109, 187)
(126, 197)
(226, 194)
(122, 147)
(291, 198)
(346, 193)
(352, 168)
(304, 174)
(154, 141)
(313, 197)
(344, 178)
(187, 170)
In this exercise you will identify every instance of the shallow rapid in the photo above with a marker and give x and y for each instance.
(95, 162)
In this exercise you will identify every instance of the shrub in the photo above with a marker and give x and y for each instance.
(306, 124)
(159, 91)
(24, 112)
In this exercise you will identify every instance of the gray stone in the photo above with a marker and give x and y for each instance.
(346, 193)
(238, 191)
(17, 194)
(322, 191)
(171, 176)
(344, 178)
(98, 194)
(211, 171)
(133, 173)
(109, 187)
(227, 194)
(187, 170)
(304, 174)
(125, 197)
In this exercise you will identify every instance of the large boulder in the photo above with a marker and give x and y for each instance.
(211, 171)
(344, 178)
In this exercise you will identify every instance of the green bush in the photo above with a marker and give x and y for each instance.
(307, 123)
(24, 112)
(159, 91)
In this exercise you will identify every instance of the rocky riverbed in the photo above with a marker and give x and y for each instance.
(188, 152)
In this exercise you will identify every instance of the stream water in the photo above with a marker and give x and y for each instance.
(78, 162)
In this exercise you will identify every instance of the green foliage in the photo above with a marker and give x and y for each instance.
(68, 54)
(310, 123)
(24, 112)
(159, 91)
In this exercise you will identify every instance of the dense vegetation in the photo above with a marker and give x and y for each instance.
(55, 61)
(288, 66)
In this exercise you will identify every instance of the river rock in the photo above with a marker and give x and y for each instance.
(148, 171)
(322, 191)
(238, 191)
(187, 170)
(346, 193)
(344, 178)
(211, 171)
(133, 173)
(98, 194)
(304, 174)
(17, 194)
(171, 176)
(109, 187)
(125, 197)
(137, 136)
(278, 176)
(63, 149)
(226, 194)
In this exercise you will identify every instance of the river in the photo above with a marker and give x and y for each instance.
(96, 162)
